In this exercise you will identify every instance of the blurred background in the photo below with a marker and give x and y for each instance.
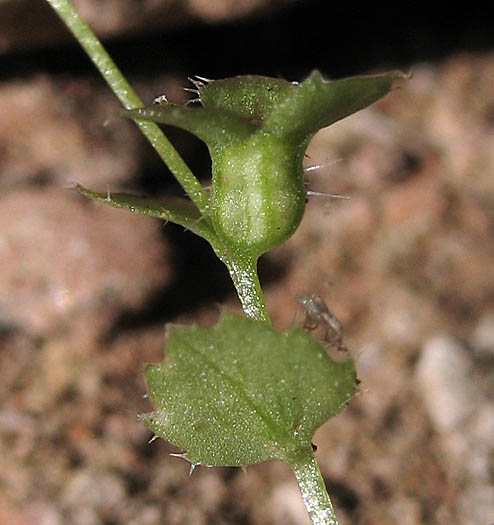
(406, 263)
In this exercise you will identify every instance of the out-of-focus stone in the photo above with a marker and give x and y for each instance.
(402, 317)
(222, 9)
(62, 257)
(405, 511)
(99, 491)
(286, 505)
(43, 513)
(24, 24)
(445, 383)
(53, 131)
(483, 335)
(477, 505)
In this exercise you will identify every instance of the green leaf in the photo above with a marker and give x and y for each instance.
(239, 392)
(174, 209)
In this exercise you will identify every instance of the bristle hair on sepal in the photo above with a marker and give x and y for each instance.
(180, 455)
(192, 90)
(197, 83)
(311, 193)
(323, 165)
(193, 100)
(204, 79)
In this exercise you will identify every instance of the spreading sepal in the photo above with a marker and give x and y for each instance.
(239, 392)
(174, 209)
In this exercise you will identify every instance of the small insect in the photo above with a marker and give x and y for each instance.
(318, 314)
(160, 100)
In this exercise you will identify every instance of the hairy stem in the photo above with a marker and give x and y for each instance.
(313, 489)
(129, 99)
(243, 272)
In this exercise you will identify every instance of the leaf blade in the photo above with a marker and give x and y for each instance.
(240, 393)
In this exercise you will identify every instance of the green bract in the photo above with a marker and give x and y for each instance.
(257, 130)
(239, 392)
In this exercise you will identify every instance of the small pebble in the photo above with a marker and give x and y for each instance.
(444, 378)
(483, 335)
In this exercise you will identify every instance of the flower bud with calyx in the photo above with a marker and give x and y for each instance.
(257, 129)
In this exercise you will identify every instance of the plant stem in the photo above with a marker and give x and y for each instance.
(243, 272)
(313, 489)
(129, 99)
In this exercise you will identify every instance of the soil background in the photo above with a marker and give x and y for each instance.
(407, 264)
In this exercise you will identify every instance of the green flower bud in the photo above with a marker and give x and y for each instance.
(257, 130)
(258, 196)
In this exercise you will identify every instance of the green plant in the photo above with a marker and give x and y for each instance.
(239, 392)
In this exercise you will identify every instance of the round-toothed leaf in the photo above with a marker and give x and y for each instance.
(239, 392)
